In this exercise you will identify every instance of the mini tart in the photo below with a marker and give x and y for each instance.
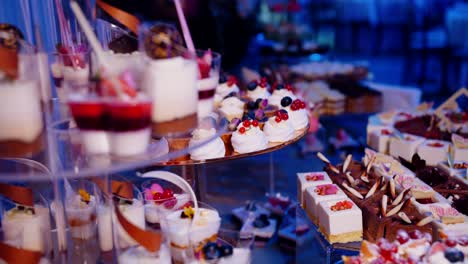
(279, 128)
(248, 137)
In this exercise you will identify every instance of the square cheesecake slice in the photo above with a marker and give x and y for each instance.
(379, 139)
(308, 179)
(433, 151)
(404, 147)
(316, 194)
(340, 220)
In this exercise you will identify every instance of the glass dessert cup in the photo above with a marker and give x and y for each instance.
(69, 65)
(131, 208)
(112, 115)
(160, 196)
(209, 64)
(186, 227)
(139, 254)
(170, 79)
(231, 246)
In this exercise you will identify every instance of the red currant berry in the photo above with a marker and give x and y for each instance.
(278, 114)
(288, 87)
(168, 193)
(255, 123)
(415, 234)
(294, 107)
(246, 123)
(169, 204)
(242, 130)
(284, 116)
(402, 236)
(278, 119)
(450, 242)
(303, 105)
(463, 241)
(157, 197)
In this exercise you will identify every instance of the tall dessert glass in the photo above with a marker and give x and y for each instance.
(112, 113)
(170, 79)
(209, 65)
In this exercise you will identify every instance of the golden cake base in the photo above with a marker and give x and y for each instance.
(177, 127)
(354, 236)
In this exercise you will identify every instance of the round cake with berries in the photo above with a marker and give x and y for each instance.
(279, 128)
(248, 137)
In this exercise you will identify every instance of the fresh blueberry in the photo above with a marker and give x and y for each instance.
(261, 221)
(264, 119)
(226, 250)
(286, 101)
(223, 78)
(283, 111)
(280, 86)
(211, 251)
(251, 105)
(454, 255)
(231, 94)
(245, 117)
(252, 85)
(251, 114)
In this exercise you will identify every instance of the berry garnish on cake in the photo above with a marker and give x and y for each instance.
(342, 205)
(204, 64)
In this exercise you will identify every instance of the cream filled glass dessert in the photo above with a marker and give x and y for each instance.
(80, 206)
(113, 115)
(211, 150)
(170, 79)
(209, 64)
(139, 255)
(227, 85)
(258, 90)
(279, 128)
(232, 107)
(132, 208)
(248, 137)
(297, 112)
(281, 91)
(190, 228)
(72, 65)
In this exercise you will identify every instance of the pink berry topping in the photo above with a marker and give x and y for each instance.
(281, 115)
(402, 237)
(342, 205)
(315, 177)
(326, 189)
(435, 144)
(231, 81)
(242, 130)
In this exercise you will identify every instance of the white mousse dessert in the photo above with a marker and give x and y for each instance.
(279, 128)
(139, 255)
(184, 228)
(279, 93)
(433, 151)
(309, 179)
(405, 146)
(211, 150)
(134, 212)
(225, 87)
(248, 137)
(81, 215)
(315, 194)
(27, 229)
(20, 113)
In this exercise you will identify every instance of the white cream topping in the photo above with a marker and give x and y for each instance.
(224, 89)
(278, 95)
(211, 150)
(299, 118)
(140, 255)
(252, 140)
(258, 93)
(232, 107)
(278, 132)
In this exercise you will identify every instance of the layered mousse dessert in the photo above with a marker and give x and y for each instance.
(132, 209)
(188, 227)
(139, 255)
(316, 194)
(433, 151)
(113, 117)
(248, 137)
(21, 114)
(460, 147)
(170, 80)
(310, 179)
(279, 128)
(81, 214)
(208, 65)
(404, 146)
(379, 139)
(340, 220)
(72, 66)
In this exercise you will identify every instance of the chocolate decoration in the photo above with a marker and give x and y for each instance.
(120, 188)
(163, 41)
(18, 194)
(124, 18)
(12, 254)
(149, 240)
(10, 36)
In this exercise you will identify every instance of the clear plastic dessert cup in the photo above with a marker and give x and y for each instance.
(185, 229)
(138, 254)
(209, 65)
(132, 209)
(113, 115)
(170, 79)
(160, 196)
